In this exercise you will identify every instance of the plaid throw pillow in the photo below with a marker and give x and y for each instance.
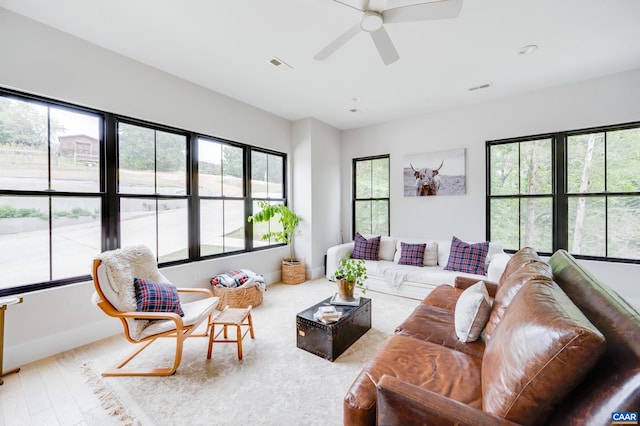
(156, 297)
(465, 257)
(365, 249)
(412, 254)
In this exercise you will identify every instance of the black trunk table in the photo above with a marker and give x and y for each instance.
(329, 341)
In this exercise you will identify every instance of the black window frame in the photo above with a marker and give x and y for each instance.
(560, 193)
(354, 198)
(110, 197)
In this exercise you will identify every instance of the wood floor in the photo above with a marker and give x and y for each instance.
(53, 391)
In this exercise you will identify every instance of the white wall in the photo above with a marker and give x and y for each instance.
(40, 60)
(316, 182)
(603, 101)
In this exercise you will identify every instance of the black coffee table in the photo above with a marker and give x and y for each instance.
(329, 341)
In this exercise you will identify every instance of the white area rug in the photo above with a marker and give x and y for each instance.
(274, 384)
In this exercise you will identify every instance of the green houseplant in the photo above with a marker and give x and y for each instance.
(351, 273)
(293, 269)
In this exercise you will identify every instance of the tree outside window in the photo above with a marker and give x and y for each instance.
(575, 190)
(371, 195)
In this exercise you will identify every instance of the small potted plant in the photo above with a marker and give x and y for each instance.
(293, 269)
(351, 273)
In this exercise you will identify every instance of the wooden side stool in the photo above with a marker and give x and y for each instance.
(238, 317)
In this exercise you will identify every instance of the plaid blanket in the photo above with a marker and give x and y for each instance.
(239, 278)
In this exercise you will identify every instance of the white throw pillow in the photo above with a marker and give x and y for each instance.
(472, 312)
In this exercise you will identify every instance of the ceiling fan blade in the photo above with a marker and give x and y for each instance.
(337, 43)
(377, 5)
(348, 5)
(442, 9)
(385, 46)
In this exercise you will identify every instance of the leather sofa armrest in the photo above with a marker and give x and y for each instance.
(401, 403)
(465, 282)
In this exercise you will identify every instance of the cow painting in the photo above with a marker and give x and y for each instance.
(427, 182)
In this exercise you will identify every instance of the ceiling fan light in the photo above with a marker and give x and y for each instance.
(371, 21)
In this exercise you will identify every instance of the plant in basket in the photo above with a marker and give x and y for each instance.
(293, 269)
(351, 273)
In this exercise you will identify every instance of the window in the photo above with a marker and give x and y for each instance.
(267, 184)
(152, 185)
(594, 210)
(221, 188)
(75, 182)
(371, 195)
(50, 192)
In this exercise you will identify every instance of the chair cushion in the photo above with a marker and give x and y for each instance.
(157, 297)
(472, 312)
(465, 257)
(365, 249)
(120, 267)
(412, 254)
(194, 313)
(540, 351)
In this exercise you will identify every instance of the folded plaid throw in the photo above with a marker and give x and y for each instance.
(238, 278)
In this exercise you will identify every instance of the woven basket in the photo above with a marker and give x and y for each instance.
(294, 272)
(238, 297)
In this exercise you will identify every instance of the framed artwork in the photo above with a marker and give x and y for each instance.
(434, 173)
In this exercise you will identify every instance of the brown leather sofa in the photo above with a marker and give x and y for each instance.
(559, 348)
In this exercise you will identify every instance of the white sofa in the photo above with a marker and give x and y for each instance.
(387, 276)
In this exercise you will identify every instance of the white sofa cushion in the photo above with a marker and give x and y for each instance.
(430, 251)
(387, 246)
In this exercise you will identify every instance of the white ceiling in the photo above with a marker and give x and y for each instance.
(226, 45)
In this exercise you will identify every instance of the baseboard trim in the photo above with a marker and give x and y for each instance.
(34, 350)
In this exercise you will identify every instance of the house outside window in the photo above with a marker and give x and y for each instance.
(371, 195)
(75, 182)
(577, 190)
(50, 191)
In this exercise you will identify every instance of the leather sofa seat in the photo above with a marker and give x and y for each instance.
(421, 363)
(436, 325)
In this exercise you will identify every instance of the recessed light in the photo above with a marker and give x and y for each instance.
(356, 99)
(530, 48)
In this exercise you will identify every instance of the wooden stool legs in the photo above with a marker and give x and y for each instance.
(231, 317)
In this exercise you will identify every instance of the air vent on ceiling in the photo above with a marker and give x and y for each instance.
(280, 64)
(481, 86)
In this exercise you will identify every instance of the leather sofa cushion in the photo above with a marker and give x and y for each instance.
(522, 257)
(443, 296)
(431, 366)
(533, 270)
(437, 325)
(540, 351)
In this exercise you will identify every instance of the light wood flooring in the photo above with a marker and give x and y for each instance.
(53, 391)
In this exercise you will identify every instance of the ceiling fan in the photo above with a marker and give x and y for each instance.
(375, 16)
